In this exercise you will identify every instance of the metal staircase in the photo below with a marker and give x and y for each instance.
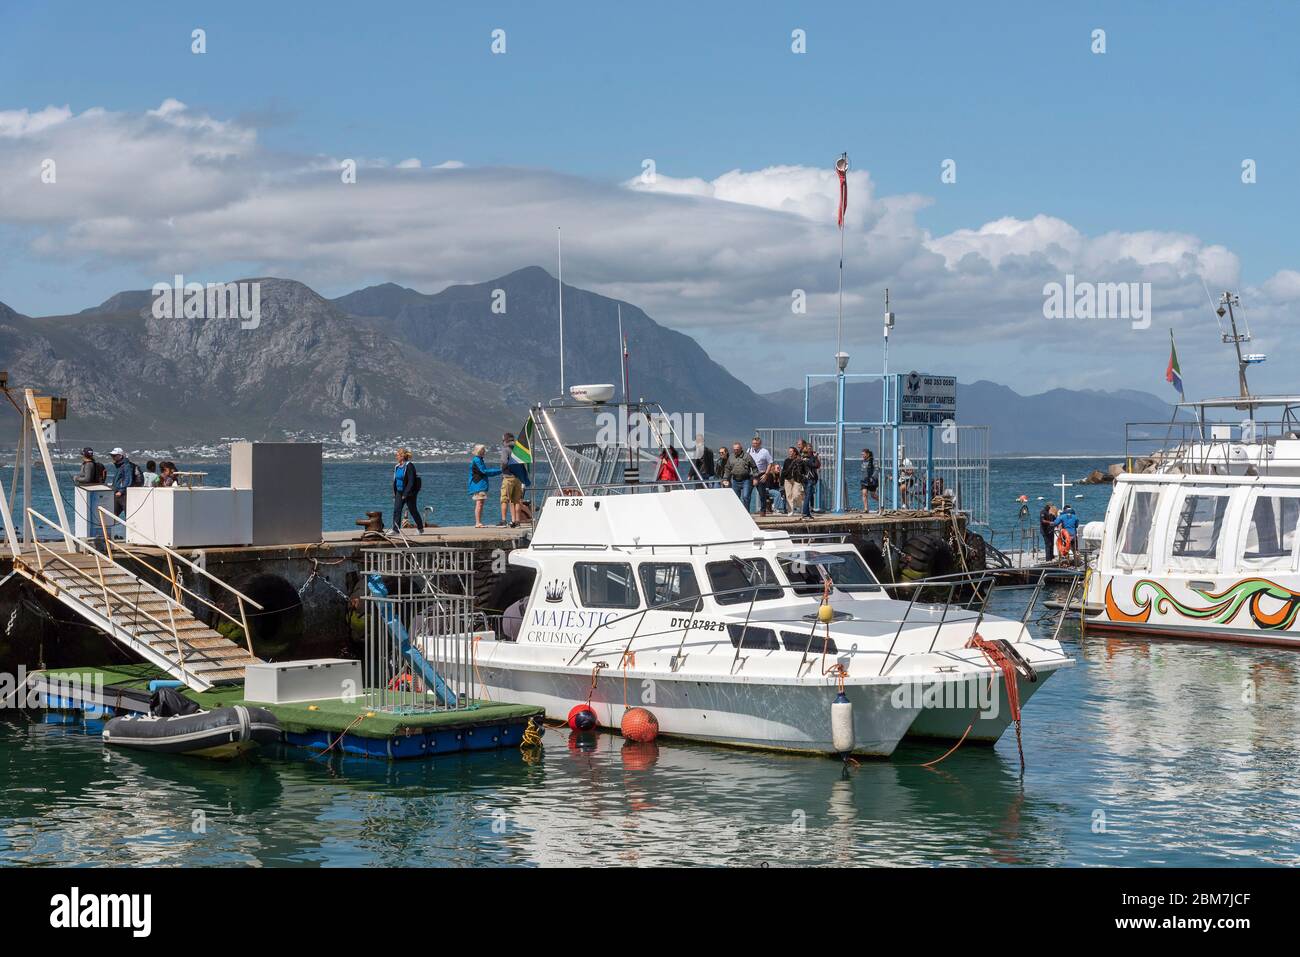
(155, 624)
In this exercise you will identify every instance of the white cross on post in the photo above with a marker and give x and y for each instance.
(1063, 485)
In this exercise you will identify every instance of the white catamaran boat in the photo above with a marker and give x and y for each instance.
(1201, 542)
(679, 603)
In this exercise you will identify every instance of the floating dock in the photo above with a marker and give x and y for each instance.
(328, 725)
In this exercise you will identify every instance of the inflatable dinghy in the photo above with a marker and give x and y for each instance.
(176, 725)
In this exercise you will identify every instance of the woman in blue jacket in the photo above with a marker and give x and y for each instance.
(479, 473)
(406, 486)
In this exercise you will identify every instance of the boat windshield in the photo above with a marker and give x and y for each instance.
(737, 573)
(847, 571)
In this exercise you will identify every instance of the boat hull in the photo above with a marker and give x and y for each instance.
(985, 717)
(779, 717)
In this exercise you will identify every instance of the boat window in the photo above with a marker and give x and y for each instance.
(755, 639)
(1135, 538)
(1271, 534)
(802, 641)
(737, 574)
(606, 584)
(670, 586)
(849, 573)
(1197, 529)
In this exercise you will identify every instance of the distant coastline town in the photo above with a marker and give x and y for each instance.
(363, 449)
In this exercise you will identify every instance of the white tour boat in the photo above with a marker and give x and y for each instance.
(678, 602)
(1201, 542)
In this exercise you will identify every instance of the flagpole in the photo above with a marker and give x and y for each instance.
(1182, 396)
(841, 357)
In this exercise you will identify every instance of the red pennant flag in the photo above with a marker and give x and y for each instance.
(842, 167)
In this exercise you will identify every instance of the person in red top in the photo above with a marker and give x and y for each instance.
(668, 466)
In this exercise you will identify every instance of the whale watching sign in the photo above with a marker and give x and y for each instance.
(928, 399)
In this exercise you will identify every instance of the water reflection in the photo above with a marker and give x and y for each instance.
(1145, 752)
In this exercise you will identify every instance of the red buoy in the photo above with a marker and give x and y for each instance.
(640, 725)
(582, 718)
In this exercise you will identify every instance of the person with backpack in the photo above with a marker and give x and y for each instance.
(128, 476)
(479, 473)
(514, 479)
(92, 472)
(869, 480)
(792, 478)
(406, 486)
(812, 464)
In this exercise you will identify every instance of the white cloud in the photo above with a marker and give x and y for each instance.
(175, 190)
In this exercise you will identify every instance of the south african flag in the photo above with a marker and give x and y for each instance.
(1173, 374)
(522, 453)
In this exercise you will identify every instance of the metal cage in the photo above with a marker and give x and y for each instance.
(418, 608)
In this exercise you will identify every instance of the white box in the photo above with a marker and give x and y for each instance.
(88, 500)
(182, 517)
(312, 679)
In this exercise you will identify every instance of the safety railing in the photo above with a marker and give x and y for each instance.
(178, 587)
(980, 586)
(119, 608)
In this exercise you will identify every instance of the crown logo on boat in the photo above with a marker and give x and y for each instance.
(555, 591)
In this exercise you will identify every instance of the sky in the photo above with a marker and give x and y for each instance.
(686, 150)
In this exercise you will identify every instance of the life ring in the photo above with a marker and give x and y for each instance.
(406, 682)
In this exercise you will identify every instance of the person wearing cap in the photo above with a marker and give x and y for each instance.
(123, 480)
(92, 472)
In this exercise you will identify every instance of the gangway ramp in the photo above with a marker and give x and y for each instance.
(107, 587)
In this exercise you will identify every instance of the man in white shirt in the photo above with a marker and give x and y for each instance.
(762, 459)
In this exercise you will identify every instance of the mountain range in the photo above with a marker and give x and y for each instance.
(462, 364)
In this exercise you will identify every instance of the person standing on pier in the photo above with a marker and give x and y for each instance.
(1047, 525)
(870, 482)
(125, 478)
(704, 460)
(406, 486)
(514, 478)
(762, 459)
(812, 464)
(739, 475)
(792, 480)
(92, 472)
(668, 467)
(479, 473)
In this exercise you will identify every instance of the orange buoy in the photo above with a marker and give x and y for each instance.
(640, 725)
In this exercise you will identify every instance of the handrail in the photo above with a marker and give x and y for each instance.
(177, 586)
(178, 556)
(107, 590)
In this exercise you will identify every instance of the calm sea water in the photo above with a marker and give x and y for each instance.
(1144, 753)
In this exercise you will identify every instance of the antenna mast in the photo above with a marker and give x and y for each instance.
(559, 259)
(1229, 300)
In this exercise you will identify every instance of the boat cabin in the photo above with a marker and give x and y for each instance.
(1167, 524)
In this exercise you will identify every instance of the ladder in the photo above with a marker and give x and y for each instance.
(154, 624)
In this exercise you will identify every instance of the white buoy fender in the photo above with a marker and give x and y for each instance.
(842, 724)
